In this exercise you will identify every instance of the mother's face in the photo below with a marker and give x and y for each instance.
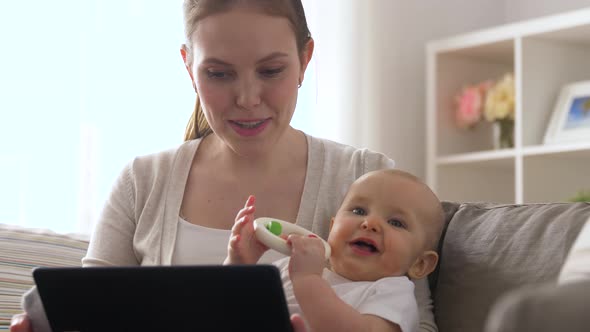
(246, 69)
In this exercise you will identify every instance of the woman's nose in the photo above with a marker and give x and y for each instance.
(248, 94)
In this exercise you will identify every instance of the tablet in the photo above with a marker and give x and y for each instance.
(164, 298)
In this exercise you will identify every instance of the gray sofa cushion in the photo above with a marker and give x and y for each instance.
(543, 308)
(490, 249)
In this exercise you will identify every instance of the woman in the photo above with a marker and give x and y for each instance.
(246, 60)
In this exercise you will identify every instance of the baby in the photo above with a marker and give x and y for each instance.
(384, 234)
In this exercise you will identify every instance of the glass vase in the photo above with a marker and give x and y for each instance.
(503, 134)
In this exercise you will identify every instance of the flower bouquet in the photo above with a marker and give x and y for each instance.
(492, 101)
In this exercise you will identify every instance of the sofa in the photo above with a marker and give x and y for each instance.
(23, 249)
(497, 272)
(493, 255)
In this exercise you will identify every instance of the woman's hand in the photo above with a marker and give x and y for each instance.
(21, 323)
(244, 247)
(307, 255)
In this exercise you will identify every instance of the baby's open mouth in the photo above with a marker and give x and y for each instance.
(364, 246)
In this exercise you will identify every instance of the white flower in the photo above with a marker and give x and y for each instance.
(499, 102)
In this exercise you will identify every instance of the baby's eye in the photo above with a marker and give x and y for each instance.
(359, 211)
(271, 72)
(396, 223)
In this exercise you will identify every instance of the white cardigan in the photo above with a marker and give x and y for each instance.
(139, 222)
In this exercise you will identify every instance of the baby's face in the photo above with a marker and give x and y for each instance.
(380, 228)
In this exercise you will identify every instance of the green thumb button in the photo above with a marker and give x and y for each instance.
(275, 227)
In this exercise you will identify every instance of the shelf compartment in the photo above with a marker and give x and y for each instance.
(550, 61)
(456, 69)
(484, 181)
(555, 177)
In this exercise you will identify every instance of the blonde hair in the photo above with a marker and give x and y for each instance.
(197, 125)
(196, 10)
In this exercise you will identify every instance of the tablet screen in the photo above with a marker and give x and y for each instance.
(171, 298)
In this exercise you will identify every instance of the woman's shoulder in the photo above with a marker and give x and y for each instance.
(164, 161)
(149, 175)
(335, 153)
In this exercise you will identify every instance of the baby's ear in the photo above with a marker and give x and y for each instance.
(424, 265)
(331, 223)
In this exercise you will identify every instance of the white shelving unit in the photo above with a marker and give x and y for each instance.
(544, 54)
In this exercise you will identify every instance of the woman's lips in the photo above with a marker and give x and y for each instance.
(249, 127)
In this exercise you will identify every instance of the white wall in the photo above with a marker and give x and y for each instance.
(370, 68)
(380, 99)
(525, 9)
(400, 49)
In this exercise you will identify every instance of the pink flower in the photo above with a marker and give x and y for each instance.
(470, 105)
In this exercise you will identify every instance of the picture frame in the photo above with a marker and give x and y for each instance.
(570, 121)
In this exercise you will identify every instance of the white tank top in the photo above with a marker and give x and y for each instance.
(198, 245)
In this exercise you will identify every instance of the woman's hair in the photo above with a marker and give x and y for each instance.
(196, 10)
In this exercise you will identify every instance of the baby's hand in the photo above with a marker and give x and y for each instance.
(243, 247)
(307, 255)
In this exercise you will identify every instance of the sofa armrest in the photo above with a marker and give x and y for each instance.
(542, 307)
(21, 250)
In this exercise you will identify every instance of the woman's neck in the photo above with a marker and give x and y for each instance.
(288, 152)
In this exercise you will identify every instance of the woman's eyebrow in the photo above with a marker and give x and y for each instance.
(216, 61)
(273, 56)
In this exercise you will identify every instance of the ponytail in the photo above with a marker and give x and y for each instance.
(197, 126)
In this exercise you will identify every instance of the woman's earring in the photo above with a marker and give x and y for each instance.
(299, 85)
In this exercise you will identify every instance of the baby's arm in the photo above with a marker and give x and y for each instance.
(321, 306)
(243, 247)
